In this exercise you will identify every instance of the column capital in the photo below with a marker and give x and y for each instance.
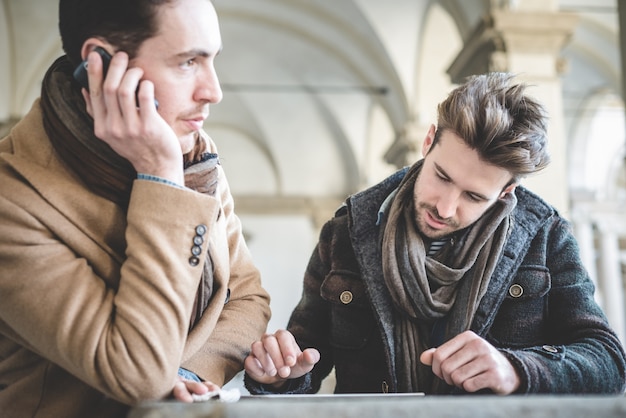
(504, 33)
(405, 149)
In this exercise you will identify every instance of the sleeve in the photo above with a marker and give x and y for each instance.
(581, 353)
(230, 329)
(309, 323)
(125, 340)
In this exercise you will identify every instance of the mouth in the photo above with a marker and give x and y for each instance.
(195, 123)
(434, 221)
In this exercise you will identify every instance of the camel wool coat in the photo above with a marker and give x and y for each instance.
(96, 301)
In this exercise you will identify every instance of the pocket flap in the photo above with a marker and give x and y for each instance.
(344, 288)
(530, 282)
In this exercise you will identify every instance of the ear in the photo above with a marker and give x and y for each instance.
(509, 189)
(91, 43)
(428, 141)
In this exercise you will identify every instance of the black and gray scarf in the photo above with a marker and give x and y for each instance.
(425, 289)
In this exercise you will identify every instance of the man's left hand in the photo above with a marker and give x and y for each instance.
(471, 363)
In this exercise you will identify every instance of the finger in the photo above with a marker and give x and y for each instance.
(212, 387)
(442, 354)
(181, 393)
(462, 374)
(274, 348)
(111, 87)
(305, 363)
(199, 388)
(254, 367)
(288, 347)
(260, 351)
(126, 92)
(494, 371)
(146, 98)
(475, 382)
(95, 79)
(310, 357)
(427, 356)
(87, 102)
(453, 345)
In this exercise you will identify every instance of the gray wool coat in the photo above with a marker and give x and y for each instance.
(553, 332)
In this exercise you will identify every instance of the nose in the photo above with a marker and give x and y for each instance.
(209, 89)
(446, 206)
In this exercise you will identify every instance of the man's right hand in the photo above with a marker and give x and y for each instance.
(277, 357)
(138, 134)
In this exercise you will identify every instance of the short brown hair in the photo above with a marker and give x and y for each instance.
(495, 117)
(125, 24)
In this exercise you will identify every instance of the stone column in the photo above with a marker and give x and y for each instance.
(610, 279)
(583, 230)
(621, 9)
(527, 42)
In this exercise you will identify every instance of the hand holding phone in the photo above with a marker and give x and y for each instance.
(80, 73)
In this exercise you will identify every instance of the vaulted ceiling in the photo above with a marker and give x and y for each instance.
(316, 91)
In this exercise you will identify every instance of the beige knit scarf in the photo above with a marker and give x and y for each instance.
(459, 275)
(71, 132)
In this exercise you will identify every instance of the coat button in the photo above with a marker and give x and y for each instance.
(384, 387)
(196, 250)
(194, 261)
(201, 230)
(346, 297)
(198, 240)
(516, 291)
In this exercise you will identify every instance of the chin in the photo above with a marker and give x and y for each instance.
(187, 142)
(432, 233)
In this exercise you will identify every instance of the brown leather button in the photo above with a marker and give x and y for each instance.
(346, 297)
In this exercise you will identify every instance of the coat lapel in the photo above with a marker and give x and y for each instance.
(93, 216)
(365, 236)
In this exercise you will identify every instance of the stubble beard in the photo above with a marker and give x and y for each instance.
(421, 211)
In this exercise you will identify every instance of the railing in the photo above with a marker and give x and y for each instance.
(382, 406)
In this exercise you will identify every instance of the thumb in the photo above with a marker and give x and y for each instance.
(310, 357)
(427, 356)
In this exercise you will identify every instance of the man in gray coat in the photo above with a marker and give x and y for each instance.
(449, 276)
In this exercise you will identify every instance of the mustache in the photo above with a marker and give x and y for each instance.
(435, 214)
(199, 110)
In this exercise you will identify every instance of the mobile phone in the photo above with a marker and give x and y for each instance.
(80, 73)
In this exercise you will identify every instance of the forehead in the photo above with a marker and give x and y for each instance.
(188, 24)
(464, 167)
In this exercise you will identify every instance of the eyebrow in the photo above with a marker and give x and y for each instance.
(198, 52)
(443, 173)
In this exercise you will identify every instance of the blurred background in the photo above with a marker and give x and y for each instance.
(325, 97)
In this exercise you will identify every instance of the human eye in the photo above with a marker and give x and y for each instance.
(442, 177)
(475, 198)
(189, 63)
